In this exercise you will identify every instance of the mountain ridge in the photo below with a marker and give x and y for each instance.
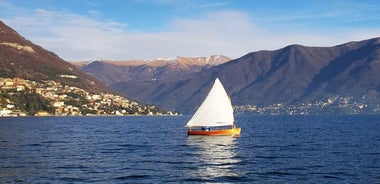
(288, 76)
(22, 58)
(154, 69)
(36, 82)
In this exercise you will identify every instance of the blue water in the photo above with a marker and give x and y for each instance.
(271, 149)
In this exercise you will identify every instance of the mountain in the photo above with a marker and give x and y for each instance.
(111, 72)
(292, 76)
(21, 58)
(34, 81)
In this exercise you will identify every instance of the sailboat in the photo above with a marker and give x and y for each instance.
(215, 115)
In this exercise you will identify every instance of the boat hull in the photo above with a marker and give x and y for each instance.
(231, 132)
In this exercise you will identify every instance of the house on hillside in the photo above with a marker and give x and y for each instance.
(5, 112)
(7, 84)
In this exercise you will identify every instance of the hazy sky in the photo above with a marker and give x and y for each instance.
(80, 30)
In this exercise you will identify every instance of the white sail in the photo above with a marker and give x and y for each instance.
(216, 109)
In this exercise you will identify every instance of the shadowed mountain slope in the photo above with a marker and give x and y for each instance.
(21, 58)
(291, 75)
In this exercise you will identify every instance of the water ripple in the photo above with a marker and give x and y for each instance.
(320, 149)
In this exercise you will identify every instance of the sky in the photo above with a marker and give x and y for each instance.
(86, 30)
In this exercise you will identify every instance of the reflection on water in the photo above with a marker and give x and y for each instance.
(273, 149)
(216, 156)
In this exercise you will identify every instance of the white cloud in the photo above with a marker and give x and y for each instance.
(212, 5)
(232, 33)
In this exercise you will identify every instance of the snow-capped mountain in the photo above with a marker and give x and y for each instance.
(151, 69)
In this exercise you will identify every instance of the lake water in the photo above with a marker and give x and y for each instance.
(271, 149)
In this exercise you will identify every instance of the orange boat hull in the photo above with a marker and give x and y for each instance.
(232, 132)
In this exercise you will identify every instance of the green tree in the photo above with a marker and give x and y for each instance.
(31, 102)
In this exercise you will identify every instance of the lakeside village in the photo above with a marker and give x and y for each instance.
(333, 105)
(19, 97)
